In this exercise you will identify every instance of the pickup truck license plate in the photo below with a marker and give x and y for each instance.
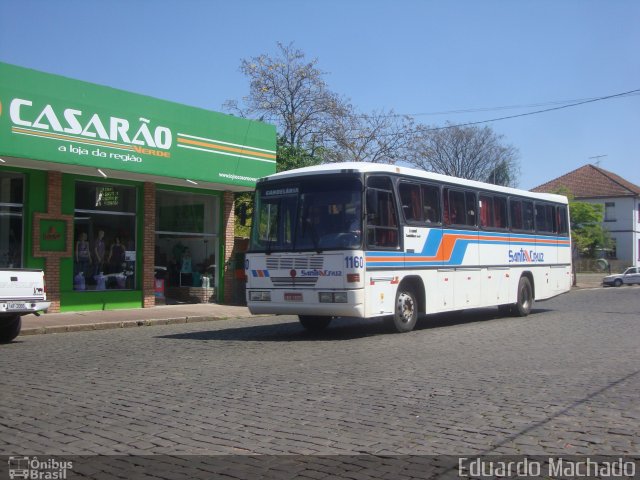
(15, 306)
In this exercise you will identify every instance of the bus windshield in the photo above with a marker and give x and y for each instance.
(314, 214)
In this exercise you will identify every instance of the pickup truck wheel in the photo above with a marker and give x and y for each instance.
(10, 328)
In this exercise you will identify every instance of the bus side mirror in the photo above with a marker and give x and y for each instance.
(242, 213)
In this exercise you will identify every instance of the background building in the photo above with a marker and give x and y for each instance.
(621, 201)
(108, 191)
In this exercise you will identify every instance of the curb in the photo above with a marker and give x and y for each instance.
(84, 327)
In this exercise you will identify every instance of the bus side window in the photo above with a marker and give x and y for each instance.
(431, 203)
(457, 208)
(471, 209)
(561, 214)
(500, 212)
(528, 216)
(545, 219)
(486, 211)
(445, 206)
(410, 199)
(515, 207)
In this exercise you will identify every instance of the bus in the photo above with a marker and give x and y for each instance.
(369, 240)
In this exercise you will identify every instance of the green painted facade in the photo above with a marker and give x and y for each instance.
(57, 119)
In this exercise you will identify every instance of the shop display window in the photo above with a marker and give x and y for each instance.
(104, 253)
(186, 239)
(11, 220)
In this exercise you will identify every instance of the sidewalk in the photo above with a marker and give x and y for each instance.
(136, 317)
(166, 315)
(589, 280)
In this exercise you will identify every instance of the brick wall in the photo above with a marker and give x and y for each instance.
(148, 245)
(52, 263)
(228, 225)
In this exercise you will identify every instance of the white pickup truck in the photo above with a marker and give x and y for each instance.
(22, 291)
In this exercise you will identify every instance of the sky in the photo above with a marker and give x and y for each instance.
(416, 57)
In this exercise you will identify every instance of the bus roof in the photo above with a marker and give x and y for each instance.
(365, 167)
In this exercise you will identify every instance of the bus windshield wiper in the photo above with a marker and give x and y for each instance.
(269, 243)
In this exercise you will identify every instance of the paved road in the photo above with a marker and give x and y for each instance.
(565, 380)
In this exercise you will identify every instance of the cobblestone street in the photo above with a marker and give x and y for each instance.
(564, 380)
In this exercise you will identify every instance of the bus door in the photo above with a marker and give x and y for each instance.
(384, 259)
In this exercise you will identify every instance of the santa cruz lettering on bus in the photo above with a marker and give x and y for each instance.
(321, 273)
(524, 256)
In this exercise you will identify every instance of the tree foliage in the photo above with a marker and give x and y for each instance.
(290, 92)
(287, 90)
(378, 137)
(471, 152)
(587, 233)
(586, 228)
(291, 156)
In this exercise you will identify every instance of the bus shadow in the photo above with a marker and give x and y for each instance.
(341, 329)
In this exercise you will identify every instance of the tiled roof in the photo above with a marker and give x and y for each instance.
(591, 182)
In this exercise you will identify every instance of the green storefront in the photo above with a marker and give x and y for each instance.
(124, 200)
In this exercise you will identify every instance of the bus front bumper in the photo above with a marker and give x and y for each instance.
(307, 302)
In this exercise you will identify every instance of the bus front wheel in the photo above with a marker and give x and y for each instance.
(314, 323)
(406, 311)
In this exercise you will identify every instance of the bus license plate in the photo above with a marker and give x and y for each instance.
(292, 297)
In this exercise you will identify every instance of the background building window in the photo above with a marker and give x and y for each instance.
(104, 248)
(11, 224)
(609, 212)
(186, 238)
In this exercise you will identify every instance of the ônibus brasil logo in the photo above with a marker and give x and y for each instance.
(524, 256)
(72, 124)
(31, 468)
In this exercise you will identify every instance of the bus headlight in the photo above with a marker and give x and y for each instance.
(340, 297)
(326, 297)
(332, 297)
(255, 296)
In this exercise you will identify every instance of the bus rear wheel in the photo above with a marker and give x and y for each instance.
(406, 311)
(523, 306)
(314, 323)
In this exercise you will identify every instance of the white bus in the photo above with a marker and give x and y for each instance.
(369, 240)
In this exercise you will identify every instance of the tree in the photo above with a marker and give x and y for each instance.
(471, 152)
(380, 137)
(290, 157)
(587, 233)
(290, 92)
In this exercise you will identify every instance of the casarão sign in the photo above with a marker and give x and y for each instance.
(55, 119)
